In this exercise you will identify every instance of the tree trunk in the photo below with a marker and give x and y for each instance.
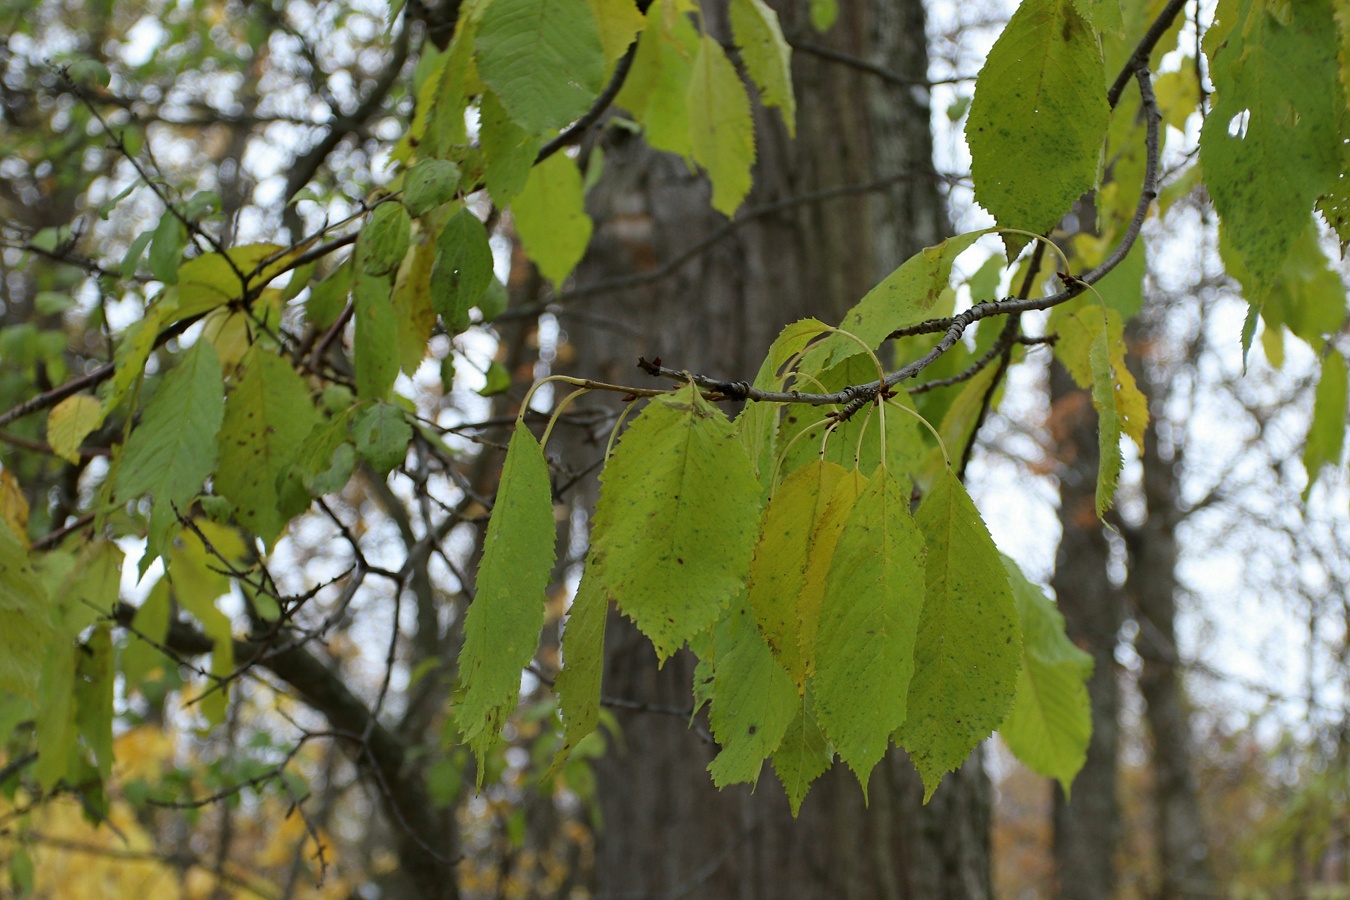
(817, 233)
(1086, 827)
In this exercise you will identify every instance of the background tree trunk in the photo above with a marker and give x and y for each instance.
(818, 231)
(1086, 827)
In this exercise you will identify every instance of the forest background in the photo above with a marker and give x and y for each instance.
(282, 281)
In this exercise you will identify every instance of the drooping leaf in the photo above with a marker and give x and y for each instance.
(385, 238)
(1326, 437)
(173, 449)
(508, 151)
(1038, 118)
(969, 647)
(166, 248)
(90, 590)
(375, 340)
(550, 216)
(14, 510)
(462, 269)
(55, 727)
(268, 415)
(1078, 330)
(656, 91)
(1051, 719)
(815, 581)
(197, 584)
(721, 130)
(25, 618)
(865, 643)
(94, 697)
(70, 422)
(578, 684)
(131, 354)
(753, 702)
(428, 184)
(382, 435)
(803, 755)
(679, 506)
(767, 56)
(619, 22)
(414, 316)
(543, 58)
(501, 629)
(1270, 145)
(1104, 379)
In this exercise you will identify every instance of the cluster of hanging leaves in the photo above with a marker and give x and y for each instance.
(834, 578)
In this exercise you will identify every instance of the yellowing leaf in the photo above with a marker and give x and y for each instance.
(767, 56)
(70, 422)
(675, 525)
(1051, 719)
(824, 540)
(656, 91)
(501, 629)
(969, 647)
(1110, 461)
(267, 417)
(414, 316)
(619, 22)
(543, 58)
(1270, 145)
(13, 505)
(1078, 330)
(865, 645)
(1038, 118)
(721, 130)
(550, 217)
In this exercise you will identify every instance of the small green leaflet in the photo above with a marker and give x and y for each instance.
(385, 238)
(578, 684)
(25, 618)
(1038, 118)
(675, 526)
(375, 339)
(543, 58)
(1270, 145)
(267, 417)
(1051, 719)
(753, 700)
(721, 130)
(969, 647)
(767, 56)
(462, 269)
(803, 755)
(70, 422)
(865, 645)
(907, 296)
(501, 629)
(173, 449)
(550, 217)
(656, 91)
(1108, 424)
(1326, 437)
(428, 184)
(382, 435)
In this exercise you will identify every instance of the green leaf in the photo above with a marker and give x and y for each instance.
(462, 269)
(865, 645)
(619, 22)
(192, 571)
(428, 184)
(791, 341)
(766, 55)
(508, 151)
(25, 618)
(907, 296)
(721, 130)
(94, 697)
(173, 449)
(969, 649)
(815, 580)
(1326, 437)
(385, 238)
(133, 350)
(656, 91)
(328, 298)
(1108, 424)
(753, 701)
(215, 279)
(166, 248)
(131, 261)
(267, 417)
(501, 629)
(803, 755)
(70, 422)
(382, 436)
(550, 217)
(787, 540)
(55, 727)
(1051, 719)
(90, 590)
(824, 13)
(327, 457)
(498, 380)
(678, 507)
(375, 340)
(1038, 118)
(543, 58)
(1270, 145)
(1078, 331)
(414, 316)
(1103, 15)
(578, 684)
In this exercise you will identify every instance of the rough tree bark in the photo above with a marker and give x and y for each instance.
(823, 232)
(1086, 827)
